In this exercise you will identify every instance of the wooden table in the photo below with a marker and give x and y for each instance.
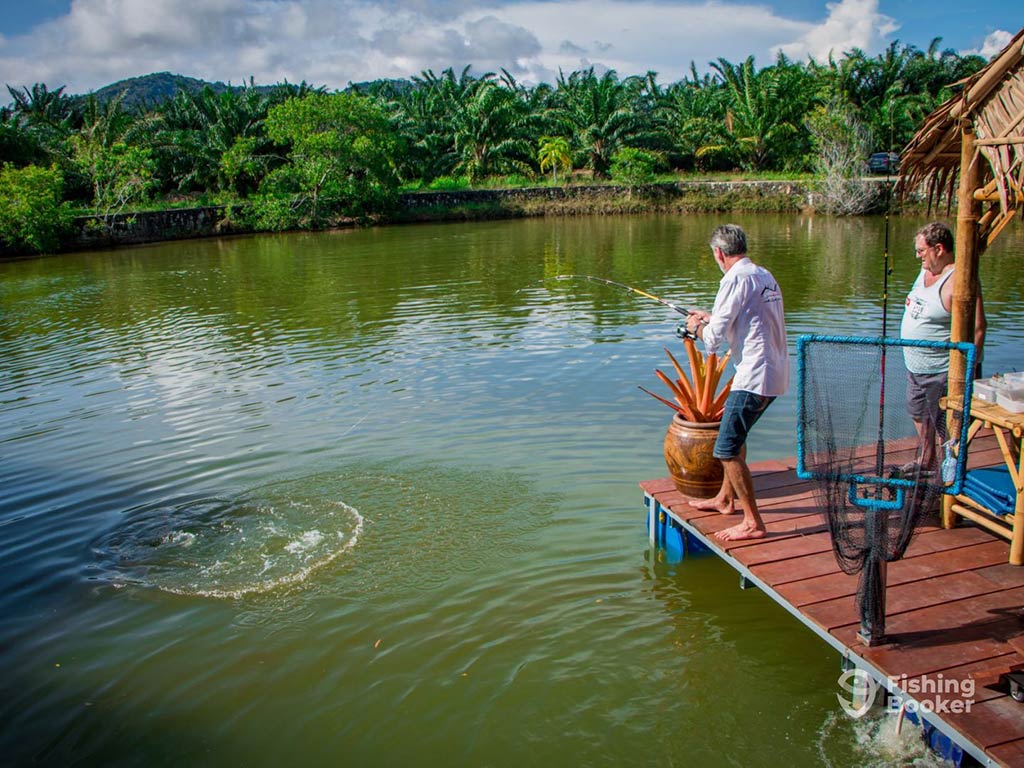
(1008, 429)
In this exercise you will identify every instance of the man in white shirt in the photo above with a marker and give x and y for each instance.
(748, 317)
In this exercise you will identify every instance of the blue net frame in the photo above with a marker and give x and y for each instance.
(899, 485)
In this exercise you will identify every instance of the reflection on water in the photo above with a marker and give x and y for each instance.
(381, 485)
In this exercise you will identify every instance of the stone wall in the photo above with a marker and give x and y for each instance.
(420, 200)
(148, 227)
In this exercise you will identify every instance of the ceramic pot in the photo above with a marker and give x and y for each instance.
(688, 447)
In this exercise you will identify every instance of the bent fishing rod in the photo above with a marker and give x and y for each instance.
(681, 330)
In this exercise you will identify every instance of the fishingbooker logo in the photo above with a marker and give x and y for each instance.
(862, 690)
(925, 695)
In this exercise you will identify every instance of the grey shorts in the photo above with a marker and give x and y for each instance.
(923, 393)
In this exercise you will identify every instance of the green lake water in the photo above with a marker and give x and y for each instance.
(369, 498)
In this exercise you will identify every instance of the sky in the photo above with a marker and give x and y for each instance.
(86, 44)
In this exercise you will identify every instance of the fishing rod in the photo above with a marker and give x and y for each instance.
(681, 329)
(886, 272)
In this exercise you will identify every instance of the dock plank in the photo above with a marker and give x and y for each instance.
(901, 598)
(1010, 753)
(910, 569)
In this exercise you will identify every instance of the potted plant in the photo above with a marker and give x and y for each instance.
(698, 405)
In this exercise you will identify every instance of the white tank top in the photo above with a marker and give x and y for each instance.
(926, 319)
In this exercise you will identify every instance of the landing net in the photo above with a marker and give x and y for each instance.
(856, 440)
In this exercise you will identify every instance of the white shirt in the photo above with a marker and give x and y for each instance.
(748, 316)
(925, 318)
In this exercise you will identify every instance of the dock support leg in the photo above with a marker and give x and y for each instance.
(871, 602)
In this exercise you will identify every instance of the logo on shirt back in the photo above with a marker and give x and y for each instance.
(771, 293)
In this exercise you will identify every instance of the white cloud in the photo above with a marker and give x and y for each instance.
(334, 42)
(850, 24)
(994, 43)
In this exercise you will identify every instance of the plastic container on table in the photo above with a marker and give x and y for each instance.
(1011, 399)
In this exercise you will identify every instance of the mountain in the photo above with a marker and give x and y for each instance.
(150, 90)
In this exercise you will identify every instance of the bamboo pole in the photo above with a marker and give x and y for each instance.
(999, 142)
(965, 279)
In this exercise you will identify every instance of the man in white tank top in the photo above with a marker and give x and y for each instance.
(928, 317)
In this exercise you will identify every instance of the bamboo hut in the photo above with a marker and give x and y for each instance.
(971, 149)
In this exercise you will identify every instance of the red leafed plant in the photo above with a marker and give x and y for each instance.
(695, 397)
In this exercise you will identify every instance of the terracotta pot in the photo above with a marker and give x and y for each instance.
(688, 447)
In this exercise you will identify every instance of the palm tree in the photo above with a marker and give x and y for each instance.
(554, 153)
(694, 111)
(765, 109)
(601, 115)
(198, 129)
(490, 128)
(47, 117)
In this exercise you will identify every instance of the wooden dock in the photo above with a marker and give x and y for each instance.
(954, 604)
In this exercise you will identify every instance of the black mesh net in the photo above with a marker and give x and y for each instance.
(875, 481)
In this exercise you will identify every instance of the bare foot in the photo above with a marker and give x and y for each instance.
(739, 533)
(714, 505)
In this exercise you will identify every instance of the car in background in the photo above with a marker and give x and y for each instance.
(884, 162)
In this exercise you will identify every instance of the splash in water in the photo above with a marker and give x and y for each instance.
(875, 741)
(272, 537)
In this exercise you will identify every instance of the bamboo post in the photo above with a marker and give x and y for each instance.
(965, 279)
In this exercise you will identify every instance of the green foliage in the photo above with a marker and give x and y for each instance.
(448, 183)
(32, 216)
(272, 212)
(241, 165)
(210, 140)
(341, 158)
(121, 174)
(762, 125)
(119, 171)
(634, 167)
(466, 126)
(314, 157)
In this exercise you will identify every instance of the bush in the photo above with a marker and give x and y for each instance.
(32, 216)
(273, 212)
(634, 167)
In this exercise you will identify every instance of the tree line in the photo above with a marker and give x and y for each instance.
(300, 156)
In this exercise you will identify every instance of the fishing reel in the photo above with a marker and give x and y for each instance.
(684, 333)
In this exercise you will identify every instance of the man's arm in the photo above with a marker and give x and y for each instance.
(979, 313)
(729, 303)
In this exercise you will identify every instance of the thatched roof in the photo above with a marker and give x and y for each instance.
(993, 101)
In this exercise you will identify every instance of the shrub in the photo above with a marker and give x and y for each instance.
(634, 167)
(32, 216)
